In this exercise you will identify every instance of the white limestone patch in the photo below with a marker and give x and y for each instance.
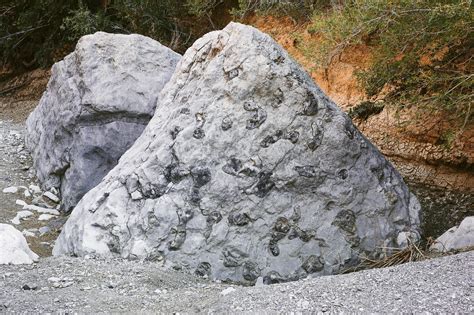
(457, 237)
(10, 190)
(13, 247)
(21, 215)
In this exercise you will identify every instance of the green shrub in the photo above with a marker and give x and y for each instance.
(32, 32)
(202, 7)
(297, 9)
(423, 49)
(82, 21)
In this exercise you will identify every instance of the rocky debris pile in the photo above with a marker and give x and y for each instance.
(246, 171)
(98, 101)
(457, 237)
(39, 219)
(15, 166)
(13, 247)
(14, 139)
(46, 204)
(22, 202)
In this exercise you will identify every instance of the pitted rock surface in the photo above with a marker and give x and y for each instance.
(246, 170)
(98, 101)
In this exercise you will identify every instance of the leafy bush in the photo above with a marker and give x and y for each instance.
(82, 21)
(423, 49)
(297, 9)
(202, 7)
(32, 32)
(150, 18)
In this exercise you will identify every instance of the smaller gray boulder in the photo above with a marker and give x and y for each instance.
(457, 237)
(97, 103)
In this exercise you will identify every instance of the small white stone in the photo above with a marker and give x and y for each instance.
(10, 190)
(227, 291)
(20, 202)
(35, 189)
(54, 279)
(136, 195)
(46, 217)
(27, 193)
(28, 233)
(41, 210)
(51, 196)
(21, 215)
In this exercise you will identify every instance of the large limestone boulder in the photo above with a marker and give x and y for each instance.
(457, 237)
(98, 101)
(14, 248)
(246, 170)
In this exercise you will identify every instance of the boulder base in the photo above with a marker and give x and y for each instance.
(246, 170)
(98, 101)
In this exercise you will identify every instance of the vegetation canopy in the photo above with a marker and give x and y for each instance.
(422, 49)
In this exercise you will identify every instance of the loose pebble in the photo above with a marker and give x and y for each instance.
(10, 190)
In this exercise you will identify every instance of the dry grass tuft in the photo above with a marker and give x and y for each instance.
(413, 252)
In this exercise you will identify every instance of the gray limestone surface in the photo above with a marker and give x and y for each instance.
(98, 101)
(246, 171)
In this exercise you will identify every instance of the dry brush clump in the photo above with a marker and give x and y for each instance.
(413, 252)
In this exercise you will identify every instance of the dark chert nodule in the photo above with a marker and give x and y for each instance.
(313, 264)
(203, 270)
(239, 219)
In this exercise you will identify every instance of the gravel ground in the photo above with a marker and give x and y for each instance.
(16, 170)
(15, 167)
(66, 285)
